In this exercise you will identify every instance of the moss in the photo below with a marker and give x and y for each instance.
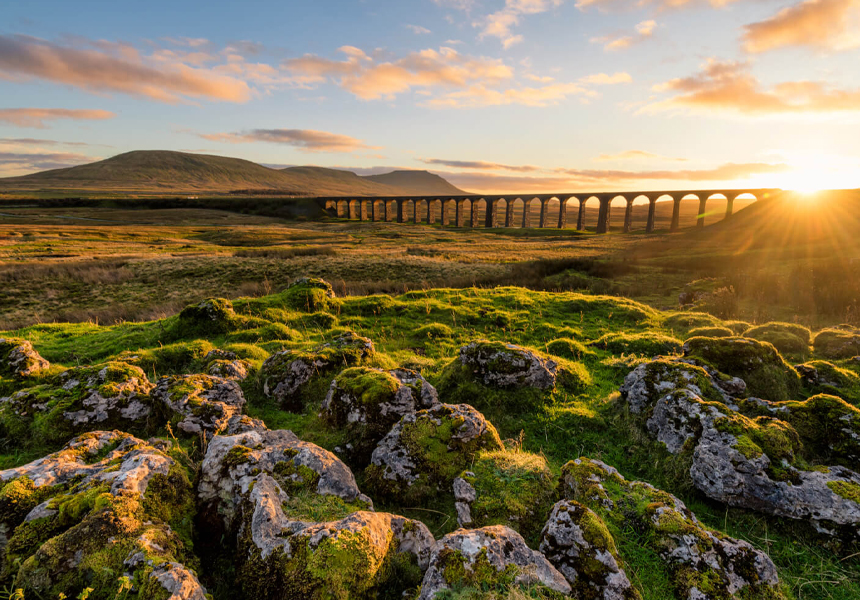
(836, 343)
(760, 332)
(457, 570)
(762, 435)
(309, 295)
(18, 497)
(170, 358)
(568, 348)
(715, 332)
(312, 507)
(514, 488)
(759, 364)
(847, 489)
(649, 344)
(266, 333)
(237, 455)
(820, 376)
(432, 331)
(683, 322)
(663, 374)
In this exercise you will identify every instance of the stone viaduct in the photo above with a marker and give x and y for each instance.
(375, 208)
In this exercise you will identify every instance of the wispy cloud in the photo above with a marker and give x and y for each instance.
(418, 30)
(500, 23)
(37, 118)
(166, 75)
(608, 5)
(306, 140)
(480, 95)
(638, 155)
(42, 142)
(830, 25)
(605, 79)
(730, 87)
(644, 31)
(479, 165)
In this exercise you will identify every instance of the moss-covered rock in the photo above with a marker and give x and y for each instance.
(365, 403)
(700, 563)
(501, 365)
(568, 348)
(577, 543)
(837, 343)
(18, 358)
(284, 375)
(759, 364)
(646, 343)
(425, 451)
(309, 294)
(106, 504)
(296, 524)
(494, 558)
(198, 403)
(714, 332)
(505, 487)
(110, 395)
(778, 333)
(682, 322)
(820, 376)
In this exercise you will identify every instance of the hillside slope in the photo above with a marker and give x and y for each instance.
(160, 171)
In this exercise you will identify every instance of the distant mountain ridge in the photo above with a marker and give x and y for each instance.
(165, 171)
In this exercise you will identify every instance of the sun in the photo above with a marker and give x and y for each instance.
(806, 181)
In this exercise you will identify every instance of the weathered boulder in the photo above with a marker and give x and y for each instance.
(199, 403)
(486, 557)
(236, 369)
(365, 403)
(837, 343)
(104, 504)
(299, 523)
(18, 358)
(309, 294)
(825, 377)
(505, 487)
(702, 564)
(577, 543)
(284, 374)
(111, 395)
(425, 451)
(501, 365)
(759, 364)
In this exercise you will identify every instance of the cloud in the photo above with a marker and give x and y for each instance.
(830, 25)
(607, 5)
(479, 165)
(500, 23)
(730, 87)
(114, 67)
(725, 172)
(638, 155)
(644, 31)
(306, 140)
(41, 142)
(418, 30)
(37, 117)
(14, 163)
(604, 79)
(480, 95)
(464, 5)
(369, 79)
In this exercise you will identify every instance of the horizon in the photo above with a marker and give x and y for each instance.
(486, 94)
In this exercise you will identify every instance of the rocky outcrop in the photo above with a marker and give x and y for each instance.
(577, 543)
(111, 395)
(365, 403)
(485, 557)
(649, 381)
(425, 451)
(18, 358)
(284, 374)
(100, 506)
(703, 564)
(226, 364)
(501, 365)
(294, 512)
(753, 462)
(199, 403)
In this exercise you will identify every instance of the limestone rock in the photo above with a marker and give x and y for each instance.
(236, 369)
(579, 545)
(486, 556)
(284, 373)
(703, 564)
(425, 451)
(501, 365)
(18, 358)
(648, 382)
(203, 403)
(366, 403)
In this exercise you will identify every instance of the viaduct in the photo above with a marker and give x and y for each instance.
(375, 208)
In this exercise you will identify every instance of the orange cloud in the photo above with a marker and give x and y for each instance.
(637, 155)
(480, 165)
(820, 24)
(36, 117)
(606, 5)
(306, 140)
(644, 30)
(480, 95)
(115, 68)
(604, 79)
(500, 23)
(21, 163)
(730, 87)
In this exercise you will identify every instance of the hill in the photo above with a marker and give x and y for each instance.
(161, 172)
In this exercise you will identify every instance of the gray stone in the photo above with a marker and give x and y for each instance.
(502, 365)
(205, 403)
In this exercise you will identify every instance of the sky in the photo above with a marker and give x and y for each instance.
(494, 95)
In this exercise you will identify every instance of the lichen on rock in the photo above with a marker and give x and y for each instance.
(18, 358)
(198, 403)
(365, 403)
(284, 374)
(488, 558)
(425, 451)
(501, 365)
(702, 564)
